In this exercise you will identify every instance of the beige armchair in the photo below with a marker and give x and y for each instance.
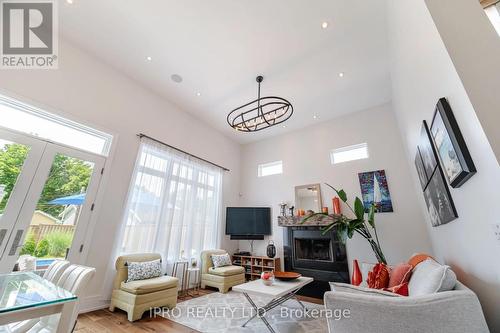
(222, 278)
(135, 297)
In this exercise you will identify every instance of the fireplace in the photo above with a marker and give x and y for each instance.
(323, 257)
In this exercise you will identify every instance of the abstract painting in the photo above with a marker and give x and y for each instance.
(455, 158)
(375, 190)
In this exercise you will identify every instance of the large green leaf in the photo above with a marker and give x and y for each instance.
(359, 209)
(371, 216)
(342, 195)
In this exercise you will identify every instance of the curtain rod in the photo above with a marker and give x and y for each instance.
(140, 135)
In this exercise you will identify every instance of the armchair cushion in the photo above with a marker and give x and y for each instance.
(141, 287)
(221, 260)
(226, 270)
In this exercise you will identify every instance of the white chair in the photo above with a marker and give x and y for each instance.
(53, 273)
(74, 279)
(55, 270)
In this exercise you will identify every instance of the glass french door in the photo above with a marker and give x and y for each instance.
(47, 194)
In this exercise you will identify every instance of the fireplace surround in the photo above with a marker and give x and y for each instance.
(323, 257)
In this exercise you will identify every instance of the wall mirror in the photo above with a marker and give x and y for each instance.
(308, 197)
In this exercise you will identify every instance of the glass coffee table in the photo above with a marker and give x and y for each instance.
(26, 295)
(280, 292)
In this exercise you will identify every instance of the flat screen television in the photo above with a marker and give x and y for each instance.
(248, 222)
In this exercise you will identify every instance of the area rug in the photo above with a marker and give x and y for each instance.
(218, 312)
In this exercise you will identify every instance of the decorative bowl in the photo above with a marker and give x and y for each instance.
(267, 278)
(286, 276)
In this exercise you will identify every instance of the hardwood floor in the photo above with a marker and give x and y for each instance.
(104, 321)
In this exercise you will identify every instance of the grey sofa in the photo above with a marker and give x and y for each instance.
(453, 311)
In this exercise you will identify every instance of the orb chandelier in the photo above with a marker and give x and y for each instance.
(261, 113)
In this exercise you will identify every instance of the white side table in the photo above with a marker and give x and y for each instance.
(195, 273)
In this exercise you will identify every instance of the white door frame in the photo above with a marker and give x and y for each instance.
(22, 185)
(27, 206)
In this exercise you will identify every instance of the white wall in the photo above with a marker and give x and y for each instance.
(422, 72)
(86, 90)
(468, 35)
(305, 156)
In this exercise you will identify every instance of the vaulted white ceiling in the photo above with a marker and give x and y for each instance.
(220, 46)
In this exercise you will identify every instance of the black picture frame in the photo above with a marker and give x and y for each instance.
(427, 151)
(438, 199)
(422, 176)
(450, 146)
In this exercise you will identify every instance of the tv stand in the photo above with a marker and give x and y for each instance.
(255, 265)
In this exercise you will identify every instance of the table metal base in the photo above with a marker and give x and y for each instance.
(261, 311)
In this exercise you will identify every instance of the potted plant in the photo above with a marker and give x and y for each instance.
(346, 226)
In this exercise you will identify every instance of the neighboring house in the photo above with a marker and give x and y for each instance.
(40, 217)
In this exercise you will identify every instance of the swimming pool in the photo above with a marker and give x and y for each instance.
(42, 263)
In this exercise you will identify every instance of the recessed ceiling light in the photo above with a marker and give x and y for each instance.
(148, 58)
(198, 94)
(69, 1)
(324, 25)
(341, 74)
(176, 78)
(284, 126)
(315, 117)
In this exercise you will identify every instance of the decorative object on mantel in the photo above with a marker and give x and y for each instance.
(291, 210)
(283, 208)
(336, 205)
(346, 227)
(436, 193)
(357, 277)
(455, 158)
(375, 191)
(271, 249)
(324, 210)
(261, 113)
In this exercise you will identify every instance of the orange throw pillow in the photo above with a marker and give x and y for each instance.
(400, 274)
(418, 258)
(378, 278)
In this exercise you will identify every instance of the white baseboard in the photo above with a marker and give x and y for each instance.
(93, 303)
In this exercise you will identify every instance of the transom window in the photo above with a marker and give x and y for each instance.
(268, 169)
(349, 153)
(25, 118)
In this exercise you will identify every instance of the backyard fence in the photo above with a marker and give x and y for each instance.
(41, 230)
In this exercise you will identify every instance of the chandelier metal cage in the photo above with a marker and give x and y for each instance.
(262, 113)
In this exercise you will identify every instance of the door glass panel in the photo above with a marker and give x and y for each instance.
(12, 157)
(53, 224)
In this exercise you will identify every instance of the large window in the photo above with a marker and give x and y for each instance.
(173, 206)
(269, 169)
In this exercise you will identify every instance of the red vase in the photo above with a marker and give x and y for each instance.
(357, 278)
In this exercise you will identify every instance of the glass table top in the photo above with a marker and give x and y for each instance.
(21, 290)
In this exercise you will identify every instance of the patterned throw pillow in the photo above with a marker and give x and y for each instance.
(143, 270)
(220, 260)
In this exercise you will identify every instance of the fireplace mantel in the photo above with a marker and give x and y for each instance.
(315, 221)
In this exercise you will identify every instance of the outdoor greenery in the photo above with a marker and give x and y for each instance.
(58, 243)
(346, 226)
(53, 245)
(29, 245)
(68, 176)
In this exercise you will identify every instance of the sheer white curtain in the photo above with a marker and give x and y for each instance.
(173, 206)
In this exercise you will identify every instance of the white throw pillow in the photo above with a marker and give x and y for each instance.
(143, 270)
(430, 277)
(221, 260)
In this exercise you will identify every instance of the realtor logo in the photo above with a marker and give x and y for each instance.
(29, 34)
